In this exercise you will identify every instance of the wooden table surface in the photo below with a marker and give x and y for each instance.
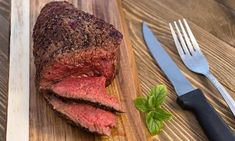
(213, 24)
(4, 48)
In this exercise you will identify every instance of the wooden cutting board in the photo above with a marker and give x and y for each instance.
(45, 125)
(215, 40)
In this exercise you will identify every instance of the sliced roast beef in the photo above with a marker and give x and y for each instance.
(76, 55)
(91, 89)
(68, 41)
(92, 118)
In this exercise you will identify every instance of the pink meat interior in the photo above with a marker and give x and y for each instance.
(95, 119)
(90, 89)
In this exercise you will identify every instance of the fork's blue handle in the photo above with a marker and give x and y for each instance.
(214, 127)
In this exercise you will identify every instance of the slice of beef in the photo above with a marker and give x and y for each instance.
(68, 41)
(91, 89)
(84, 115)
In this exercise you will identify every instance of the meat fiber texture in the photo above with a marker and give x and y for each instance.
(76, 55)
(68, 41)
(91, 118)
(91, 89)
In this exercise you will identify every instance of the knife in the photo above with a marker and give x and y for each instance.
(189, 98)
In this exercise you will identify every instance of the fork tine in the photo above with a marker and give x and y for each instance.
(177, 44)
(183, 45)
(190, 47)
(192, 38)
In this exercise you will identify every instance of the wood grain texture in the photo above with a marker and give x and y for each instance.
(3, 74)
(213, 27)
(45, 125)
(18, 88)
(5, 8)
(4, 49)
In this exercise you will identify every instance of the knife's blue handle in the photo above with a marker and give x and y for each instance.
(214, 127)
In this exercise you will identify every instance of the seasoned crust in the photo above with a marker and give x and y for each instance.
(61, 30)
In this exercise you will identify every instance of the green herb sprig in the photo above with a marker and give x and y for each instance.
(150, 105)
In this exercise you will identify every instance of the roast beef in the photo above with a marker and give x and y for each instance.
(89, 89)
(76, 56)
(89, 117)
(68, 41)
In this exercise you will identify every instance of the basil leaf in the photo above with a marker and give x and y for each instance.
(149, 115)
(141, 104)
(161, 114)
(153, 91)
(160, 95)
(151, 102)
(151, 123)
(159, 125)
(154, 125)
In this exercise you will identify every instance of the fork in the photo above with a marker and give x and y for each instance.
(194, 59)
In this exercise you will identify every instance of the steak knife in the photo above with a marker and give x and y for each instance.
(189, 98)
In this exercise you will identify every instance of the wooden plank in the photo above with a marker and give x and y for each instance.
(217, 16)
(4, 63)
(45, 125)
(229, 4)
(215, 44)
(5, 8)
(18, 88)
